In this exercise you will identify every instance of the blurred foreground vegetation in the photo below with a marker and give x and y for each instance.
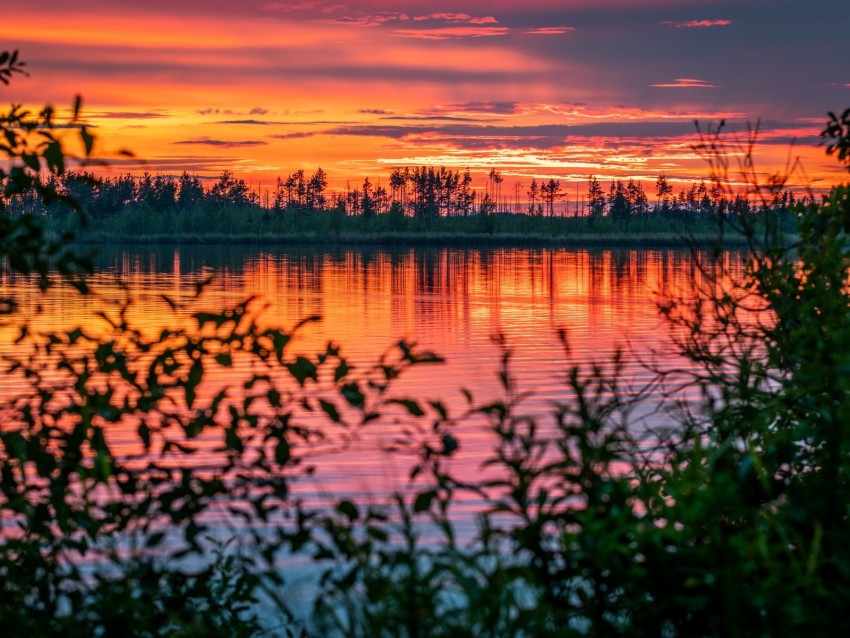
(731, 520)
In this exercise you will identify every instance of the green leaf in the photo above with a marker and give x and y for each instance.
(303, 369)
(196, 373)
(348, 509)
(54, 157)
(423, 501)
(88, 139)
(274, 398)
(145, 434)
(351, 393)
(30, 160)
(224, 360)
(282, 452)
(450, 444)
(155, 539)
(203, 318)
(232, 439)
(330, 409)
(440, 409)
(411, 406)
(342, 371)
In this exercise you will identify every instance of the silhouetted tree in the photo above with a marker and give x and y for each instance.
(190, 191)
(618, 202)
(595, 197)
(229, 191)
(550, 192)
(315, 192)
(533, 194)
(663, 190)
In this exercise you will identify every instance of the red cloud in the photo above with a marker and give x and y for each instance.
(451, 32)
(686, 83)
(697, 24)
(550, 30)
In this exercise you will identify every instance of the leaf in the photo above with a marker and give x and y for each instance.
(31, 161)
(88, 139)
(440, 409)
(203, 318)
(330, 409)
(377, 533)
(232, 440)
(145, 434)
(155, 539)
(351, 393)
(450, 444)
(423, 501)
(303, 369)
(274, 398)
(54, 157)
(412, 406)
(196, 373)
(282, 452)
(224, 360)
(342, 371)
(348, 509)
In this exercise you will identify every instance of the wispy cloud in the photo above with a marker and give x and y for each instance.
(474, 107)
(248, 122)
(292, 136)
(368, 21)
(438, 25)
(257, 110)
(686, 83)
(129, 115)
(550, 30)
(457, 17)
(295, 5)
(206, 141)
(696, 24)
(448, 33)
(432, 118)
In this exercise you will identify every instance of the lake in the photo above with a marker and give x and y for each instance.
(451, 301)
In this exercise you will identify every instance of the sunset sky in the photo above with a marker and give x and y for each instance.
(540, 88)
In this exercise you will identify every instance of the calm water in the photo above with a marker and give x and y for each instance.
(451, 301)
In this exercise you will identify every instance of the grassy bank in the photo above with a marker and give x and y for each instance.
(249, 226)
(400, 239)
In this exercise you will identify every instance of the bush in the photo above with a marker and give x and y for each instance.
(732, 520)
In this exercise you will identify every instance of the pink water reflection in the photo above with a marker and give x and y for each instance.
(451, 301)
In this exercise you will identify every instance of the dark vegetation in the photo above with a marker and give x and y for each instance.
(732, 520)
(422, 205)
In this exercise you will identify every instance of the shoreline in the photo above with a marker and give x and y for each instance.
(405, 239)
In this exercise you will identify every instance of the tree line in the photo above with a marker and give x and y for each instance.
(420, 192)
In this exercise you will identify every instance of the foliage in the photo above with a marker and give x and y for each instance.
(732, 519)
(96, 534)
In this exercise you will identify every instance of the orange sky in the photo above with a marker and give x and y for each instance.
(547, 89)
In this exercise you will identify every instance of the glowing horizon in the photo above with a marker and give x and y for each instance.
(548, 90)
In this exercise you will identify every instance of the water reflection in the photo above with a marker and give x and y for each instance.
(449, 300)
